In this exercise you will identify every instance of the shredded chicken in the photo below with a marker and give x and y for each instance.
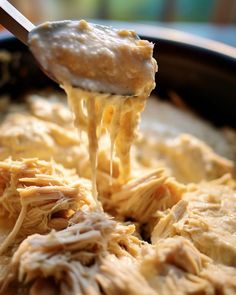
(221, 278)
(165, 225)
(72, 257)
(208, 219)
(56, 241)
(141, 197)
(175, 266)
(38, 196)
(120, 276)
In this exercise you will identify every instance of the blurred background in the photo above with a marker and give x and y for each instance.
(202, 17)
(216, 11)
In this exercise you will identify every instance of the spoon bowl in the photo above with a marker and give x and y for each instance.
(94, 57)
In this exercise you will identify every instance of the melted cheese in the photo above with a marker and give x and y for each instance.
(119, 116)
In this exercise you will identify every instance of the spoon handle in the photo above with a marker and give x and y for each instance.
(14, 21)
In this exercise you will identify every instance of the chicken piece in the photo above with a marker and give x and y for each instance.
(122, 241)
(173, 267)
(120, 276)
(221, 278)
(51, 108)
(208, 220)
(185, 157)
(165, 225)
(71, 258)
(24, 136)
(141, 197)
(37, 196)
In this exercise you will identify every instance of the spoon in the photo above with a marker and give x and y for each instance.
(14, 21)
(92, 57)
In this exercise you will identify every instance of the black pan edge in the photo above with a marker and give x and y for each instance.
(200, 71)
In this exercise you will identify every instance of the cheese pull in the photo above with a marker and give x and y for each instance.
(107, 75)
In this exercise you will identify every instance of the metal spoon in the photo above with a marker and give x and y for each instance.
(88, 56)
(14, 21)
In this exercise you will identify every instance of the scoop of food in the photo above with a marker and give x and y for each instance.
(88, 56)
(94, 57)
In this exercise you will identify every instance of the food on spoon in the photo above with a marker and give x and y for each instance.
(95, 57)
